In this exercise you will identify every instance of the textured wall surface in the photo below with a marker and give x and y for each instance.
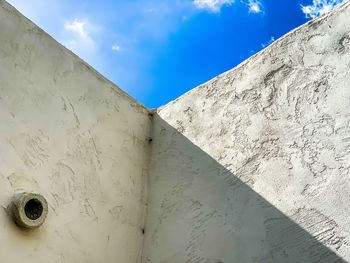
(257, 166)
(74, 137)
(253, 166)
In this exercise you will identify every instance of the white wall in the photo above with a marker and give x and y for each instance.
(253, 166)
(71, 135)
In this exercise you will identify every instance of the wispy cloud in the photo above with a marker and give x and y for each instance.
(272, 39)
(212, 5)
(116, 48)
(255, 6)
(78, 27)
(319, 7)
(78, 35)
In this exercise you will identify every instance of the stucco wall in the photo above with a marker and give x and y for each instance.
(71, 135)
(256, 168)
(252, 166)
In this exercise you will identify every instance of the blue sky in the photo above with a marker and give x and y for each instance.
(156, 50)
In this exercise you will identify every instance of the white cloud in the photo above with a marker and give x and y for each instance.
(78, 27)
(116, 48)
(272, 39)
(215, 6)
(319, 7)
(212, 5)
(79, 38)
(255, 6)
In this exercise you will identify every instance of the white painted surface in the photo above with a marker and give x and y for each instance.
(252, 166)
(74, 137)
(257, 166)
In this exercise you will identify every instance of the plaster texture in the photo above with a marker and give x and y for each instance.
(254, 166)
(74, 137)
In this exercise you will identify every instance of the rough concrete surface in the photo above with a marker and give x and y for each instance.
(257, 168)
(252, 166)
(72, 136)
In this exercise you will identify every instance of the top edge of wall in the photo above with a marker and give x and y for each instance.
(297, 30)
(10, 8)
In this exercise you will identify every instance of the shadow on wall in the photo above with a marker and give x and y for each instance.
(199, 212)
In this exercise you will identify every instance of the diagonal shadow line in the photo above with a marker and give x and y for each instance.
(199, 212)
